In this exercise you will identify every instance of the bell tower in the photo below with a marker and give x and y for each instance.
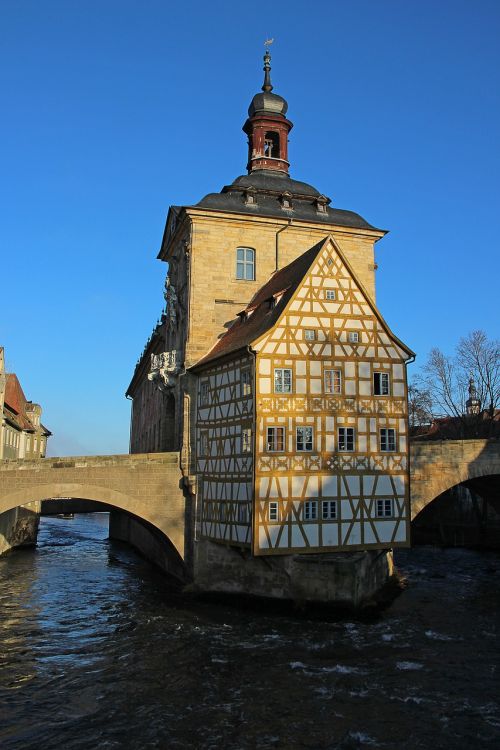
(267, 128)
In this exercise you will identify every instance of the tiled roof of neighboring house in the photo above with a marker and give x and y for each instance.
(260, 314)
(458, 428)
(16, 403)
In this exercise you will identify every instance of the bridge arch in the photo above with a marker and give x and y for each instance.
(438, 466)
(145, 487)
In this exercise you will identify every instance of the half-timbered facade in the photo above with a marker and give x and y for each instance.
(306, 393)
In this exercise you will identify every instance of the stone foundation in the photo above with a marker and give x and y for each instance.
(19, 527)
(349, 579)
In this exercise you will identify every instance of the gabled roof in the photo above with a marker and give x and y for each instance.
(16, 403)
(260, 314)
(14, 394)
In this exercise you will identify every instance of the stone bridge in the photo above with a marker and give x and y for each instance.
(147, 487)
(436, 466)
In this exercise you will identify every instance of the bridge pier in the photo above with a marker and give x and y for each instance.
(19, 527)
(149, 542)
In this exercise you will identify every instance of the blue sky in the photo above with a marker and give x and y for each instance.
(115, 109)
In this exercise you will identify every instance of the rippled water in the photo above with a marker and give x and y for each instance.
(98, 651)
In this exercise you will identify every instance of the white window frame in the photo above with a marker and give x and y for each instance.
(282, 381)
(336, 380)
(306, 439)
(245, 264)
(272, 439)
(388, 439)
(329, 510)
(309, 334)
(346, 436)
(310, 510)
(381, 384)
(353, 337)
(246, 440)
(273, 512)
(330, 295)
(384, 507)
(246, 382)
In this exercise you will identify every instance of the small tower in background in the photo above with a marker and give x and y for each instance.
(473, 403)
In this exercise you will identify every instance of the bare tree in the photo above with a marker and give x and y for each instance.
(419, 407)
(481, 359)
(465, 386)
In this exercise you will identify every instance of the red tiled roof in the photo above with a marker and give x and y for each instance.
(15, 404)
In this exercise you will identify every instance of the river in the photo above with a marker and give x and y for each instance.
(98, 651)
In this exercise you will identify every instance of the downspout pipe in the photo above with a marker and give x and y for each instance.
(277, 242)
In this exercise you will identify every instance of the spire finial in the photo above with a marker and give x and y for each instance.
(267, 67)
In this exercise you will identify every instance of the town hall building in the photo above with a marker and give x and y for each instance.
(273, 372)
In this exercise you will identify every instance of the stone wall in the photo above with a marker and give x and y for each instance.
(347, 579)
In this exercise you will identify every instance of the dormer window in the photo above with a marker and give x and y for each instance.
(321, 204)
(250, 197)
(286, 201)
(272, 145)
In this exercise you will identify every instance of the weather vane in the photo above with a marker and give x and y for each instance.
(268, 42)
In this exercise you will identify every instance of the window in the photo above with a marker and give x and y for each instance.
(275, 438)
(304, 438)
(387, 439)
(333, 381)
(204, 443)
(384, 508)
(204, 393)
(329, 510)
(246, 440)
(381, 383)
(310, 510)
(272, 512)
(245, 263)
(353, 337)
(309, 334)
(282, 380)
(246, 383)
(272, 145)
(346, 438)
(330, 294)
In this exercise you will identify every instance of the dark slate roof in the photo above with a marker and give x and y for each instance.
(262, 316)
(269, 186)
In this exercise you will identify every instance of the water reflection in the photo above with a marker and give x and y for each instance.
(97, 650)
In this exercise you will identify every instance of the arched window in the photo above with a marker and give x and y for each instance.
(272, 145)
(245, 263)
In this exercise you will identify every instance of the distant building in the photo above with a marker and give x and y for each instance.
(22, 435)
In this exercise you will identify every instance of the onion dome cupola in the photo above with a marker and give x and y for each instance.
(267, 128)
